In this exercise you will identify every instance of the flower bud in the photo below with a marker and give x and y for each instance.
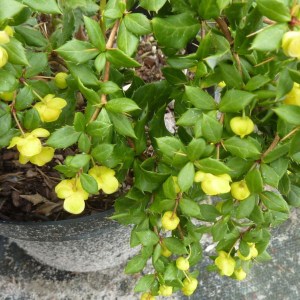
(239, 190)
(165, 290)
(147, 296)
(240, 274)
(60, 80)
(9, 30)
(241, 126)
(293, 97)
(4, 37)
(189, 286)
(3, 57)
(170, 220)
(291, 44)
(182, 263)
(225, 263)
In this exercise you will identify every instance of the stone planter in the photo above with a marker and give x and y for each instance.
(79, 245)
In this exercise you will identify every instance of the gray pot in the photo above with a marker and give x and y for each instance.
(79, 245)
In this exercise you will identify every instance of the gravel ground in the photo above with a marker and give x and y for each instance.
(21, 277)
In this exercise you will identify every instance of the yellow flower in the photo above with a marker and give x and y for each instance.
(213, 184)
(165, 290)
(50, 108)
(105, 178)
(29, 145)
(39, 159)
(241, 126)
(147, 296)
(3, 57)
(189, 286)
(252, 252)
(4, 37)
(291, 44)
(240, 274)
(293, 97)
(74, 195)
(225, 263)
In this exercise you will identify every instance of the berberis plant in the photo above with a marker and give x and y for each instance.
(70, 78)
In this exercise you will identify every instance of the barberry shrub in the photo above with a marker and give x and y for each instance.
(69, 77)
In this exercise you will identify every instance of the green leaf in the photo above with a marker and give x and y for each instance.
(147, 180)
(170, 145)
(122, 124)
(77, 51)
(6, 138)
(89, 183)
(44, 6)
(235, 100)
(208, 9)
(253, 236)
(289, 113)
(274, 9)
(269, 175)
(120, 59)
(211, 165)
(195, 149)
(101, 153)
(274, 201)
(245, 207)
(99, 129)
(121, 105)
(32, 37)
(152, 5)
(137, 23)
(79, 122)
(31, 119)
(147, 237)
(145, 283)
(211, 129)
(84, 73)
(95, 33)
(113, 13)
(169, 188)
(175, 31)
(175, 245)
(77, 161)
(208, 213)
(38, 62)
(254, 181)
(293, 198)
(8, 82)
(100, 62)
(186, 177)
(16, 52)
(243, 148)
(9, 9)
(109, 87)
(90, 95)
(294, 151)
(135, 265)
(189, 208)
(219, 230)
(63, 137)
(174, 76)
(270, 38)
(127, 41)
(277, 152)
(256, 82)
(199, 98)
(6, 122)
(84, 143)
(231, 75)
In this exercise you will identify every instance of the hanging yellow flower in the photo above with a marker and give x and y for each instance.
(225, 263)
(105, 178)
(4, 37)
(291, 44)
(74, 195)
(293, 97)
(29, 144)
(50, 108)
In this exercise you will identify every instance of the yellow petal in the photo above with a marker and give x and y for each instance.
(15, 141)
(3, 57)
(4, 37)
(81, 191)
(47, 98)
(50, 114)
(57, 103)
(110, 184)
(32, 146)
(65, 188)
(100, 173)
(43, 157)
(23, 159)
(74, 204)
(40, 132)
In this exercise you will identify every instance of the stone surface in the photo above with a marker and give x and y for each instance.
(21, 277)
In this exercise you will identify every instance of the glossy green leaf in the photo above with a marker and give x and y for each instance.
(122, 124)
(211, 129)
(90, 95)
(121, 105)
(289, 113)
(127, 41)
(9, 9)
(235, 101)
(145, 283)
(102, 152)
(95, 33)
(77, 51)
(189, 208)
(63, 137)
(195, 149)
(175, 31)
(147, 237)
(274, 9)
(135, 265)
(186, 177)
(16, 52)
(44, 6)
(120, 59)
(211, 165)
(199, 98)
(175, 245)
(274, 201)
(137, 23)
(254, 181)
(169, 188)
(152, 5)
(8, 82)
(89, 183)
(31, 119)
(245, 207)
